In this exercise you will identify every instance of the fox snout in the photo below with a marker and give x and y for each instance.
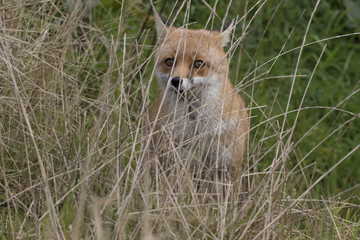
(180, 84)
(176, 82)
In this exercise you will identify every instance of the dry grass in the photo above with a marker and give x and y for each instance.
(71, 106)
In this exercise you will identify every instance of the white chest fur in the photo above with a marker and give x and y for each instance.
(195, 127)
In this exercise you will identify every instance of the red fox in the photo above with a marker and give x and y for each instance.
(197, 119)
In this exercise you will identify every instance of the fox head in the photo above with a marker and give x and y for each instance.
(189, 59)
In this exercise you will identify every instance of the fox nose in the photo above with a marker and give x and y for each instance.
(176, 82)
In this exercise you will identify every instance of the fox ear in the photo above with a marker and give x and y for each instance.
(161, 28)
(225, 34)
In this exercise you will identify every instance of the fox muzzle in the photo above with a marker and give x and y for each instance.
(176, 82)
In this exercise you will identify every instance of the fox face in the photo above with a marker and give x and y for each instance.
(190, 59)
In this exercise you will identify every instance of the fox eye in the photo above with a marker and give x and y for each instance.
(199, 64)
(169, 62)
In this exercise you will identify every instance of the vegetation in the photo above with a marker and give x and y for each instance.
(76, 78)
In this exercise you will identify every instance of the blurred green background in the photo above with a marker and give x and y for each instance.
(278, 27)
